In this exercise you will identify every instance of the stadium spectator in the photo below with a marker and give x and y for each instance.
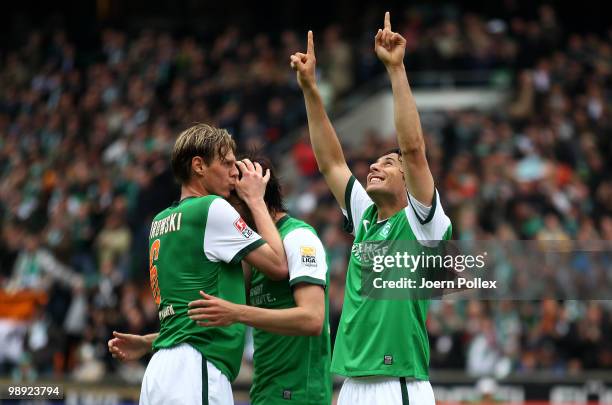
(85, 135)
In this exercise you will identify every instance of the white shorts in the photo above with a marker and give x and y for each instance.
(385, 391)
(174, 376)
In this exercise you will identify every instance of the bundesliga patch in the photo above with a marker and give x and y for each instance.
(243, 228)
(388, 359)
(308, 254)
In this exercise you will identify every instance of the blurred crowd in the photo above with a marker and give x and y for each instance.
(85, 136)
(538, 169)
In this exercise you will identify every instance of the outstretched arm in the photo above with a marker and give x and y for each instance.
(390, 47)
(306, 319)
(325, 143)
(125, 346)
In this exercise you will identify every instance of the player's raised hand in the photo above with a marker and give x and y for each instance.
(388, 45)
(252, 184)
(304, 65)
(213, 311)
(125, 347)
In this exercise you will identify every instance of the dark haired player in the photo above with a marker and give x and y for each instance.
(381, 345)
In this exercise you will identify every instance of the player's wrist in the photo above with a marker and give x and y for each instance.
(395, 68)
(255, 203)
(238, 314)
(310, 88)
(144, 344)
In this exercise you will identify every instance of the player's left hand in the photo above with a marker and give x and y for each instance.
(304, 65)
(252, 185)
(389, 46)
(212, 311)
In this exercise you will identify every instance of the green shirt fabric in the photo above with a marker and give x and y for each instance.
(384, 337)
(196, 245)
(292, 369)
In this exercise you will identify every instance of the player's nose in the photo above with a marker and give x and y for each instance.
(234, 172)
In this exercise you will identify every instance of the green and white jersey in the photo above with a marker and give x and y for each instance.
(195, 245)
(384, 337)
(292, 369)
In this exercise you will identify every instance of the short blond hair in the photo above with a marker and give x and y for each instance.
(202, 140)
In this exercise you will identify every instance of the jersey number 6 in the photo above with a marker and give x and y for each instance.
(153, 255)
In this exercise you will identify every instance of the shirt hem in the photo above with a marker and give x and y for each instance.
(382, 373)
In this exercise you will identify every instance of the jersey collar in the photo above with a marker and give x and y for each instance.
(178, 202)
(281, 221)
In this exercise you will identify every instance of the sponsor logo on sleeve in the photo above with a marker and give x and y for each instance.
(308, 254)
(243, 228)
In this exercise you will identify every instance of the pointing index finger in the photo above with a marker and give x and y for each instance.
(387, 20)
(310, 46)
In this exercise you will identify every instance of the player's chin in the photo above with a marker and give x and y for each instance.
(373, 187)
(226, 193)
(378, 191)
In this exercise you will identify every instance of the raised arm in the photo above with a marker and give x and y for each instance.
(390, 47)
(269, 258)
(325, 143)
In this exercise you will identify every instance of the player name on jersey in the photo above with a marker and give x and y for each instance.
(166, 225)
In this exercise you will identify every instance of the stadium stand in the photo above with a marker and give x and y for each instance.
(85, 136)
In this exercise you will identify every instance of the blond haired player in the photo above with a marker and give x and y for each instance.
(196, 244)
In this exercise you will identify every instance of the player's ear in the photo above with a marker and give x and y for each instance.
(400, 165)
(198, 166)
(401, 170)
